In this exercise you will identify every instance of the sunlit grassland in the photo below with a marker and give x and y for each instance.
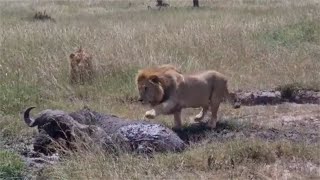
(258, 44)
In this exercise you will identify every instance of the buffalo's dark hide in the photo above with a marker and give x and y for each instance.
(63, 131)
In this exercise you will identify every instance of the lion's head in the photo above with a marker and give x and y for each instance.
(150, 90)
(80, 59)
(154, 83)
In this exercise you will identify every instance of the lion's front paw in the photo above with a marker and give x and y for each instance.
(150, 114)
(196, 119)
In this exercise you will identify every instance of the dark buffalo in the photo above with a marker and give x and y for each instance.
(64, 131)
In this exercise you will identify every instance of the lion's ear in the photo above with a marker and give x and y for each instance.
(71, 56)
(140, 76)
(154, 79)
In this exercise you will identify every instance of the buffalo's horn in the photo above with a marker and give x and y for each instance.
(26, 116)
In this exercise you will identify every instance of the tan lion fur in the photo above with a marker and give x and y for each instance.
(147, 72)
(168, 92)
(82, 69)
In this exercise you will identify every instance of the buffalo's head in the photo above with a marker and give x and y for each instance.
(58, 128)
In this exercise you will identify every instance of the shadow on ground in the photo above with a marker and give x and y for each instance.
(227, 130)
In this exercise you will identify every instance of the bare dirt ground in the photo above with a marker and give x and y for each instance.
(288, 121)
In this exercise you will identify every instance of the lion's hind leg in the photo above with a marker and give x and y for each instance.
(216, 99)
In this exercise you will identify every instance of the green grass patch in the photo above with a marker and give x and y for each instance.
(13, 128)
(293, 35)
(11, 166)
(115, 83)
(119, 82)
(15, 96)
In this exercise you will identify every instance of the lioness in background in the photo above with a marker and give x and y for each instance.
(168, 92)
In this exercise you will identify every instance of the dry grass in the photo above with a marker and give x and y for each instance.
(234, 159)
(258, 44)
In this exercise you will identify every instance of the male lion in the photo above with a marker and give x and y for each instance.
(168, 92)
(81, 67)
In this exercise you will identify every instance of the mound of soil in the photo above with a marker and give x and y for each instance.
(272, 97)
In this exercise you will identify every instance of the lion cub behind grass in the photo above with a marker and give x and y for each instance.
(168, 92)
(82, 70)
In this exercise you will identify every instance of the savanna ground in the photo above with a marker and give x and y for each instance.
(259, 44)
